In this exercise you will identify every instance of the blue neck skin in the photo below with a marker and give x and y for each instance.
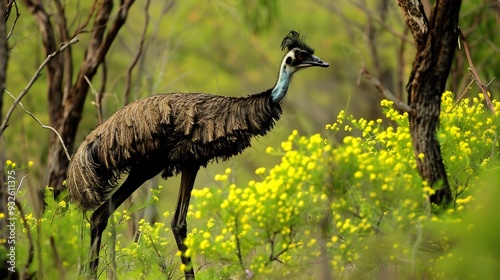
(281, 88)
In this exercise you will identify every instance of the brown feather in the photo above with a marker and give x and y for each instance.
(175, 129)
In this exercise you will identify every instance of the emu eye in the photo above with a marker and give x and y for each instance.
(300, 56)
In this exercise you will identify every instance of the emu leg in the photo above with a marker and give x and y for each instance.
(179, 224)
(99, 219)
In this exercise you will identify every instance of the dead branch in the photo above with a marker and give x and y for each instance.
(100, 42)
(137, 55)
(97, 102)
(387, 94)
(11, 31)
(32, 81)
(7, 7)
(55, 69)
(82, 26)
(461, 96)
(401, 66)
(42, 125)
(377, 19)
(475, 76)
(64, 37)
(67, 111)
(104, 80)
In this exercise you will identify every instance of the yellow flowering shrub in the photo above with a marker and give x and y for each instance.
(358, 202)
(59, 241)
(353, 207)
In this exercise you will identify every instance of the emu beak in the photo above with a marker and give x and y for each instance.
(314, 61)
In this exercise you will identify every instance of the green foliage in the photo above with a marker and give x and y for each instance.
(51, 245)
(56, 245)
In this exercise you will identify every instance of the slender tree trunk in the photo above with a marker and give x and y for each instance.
(436, 41)
(4, 56)
(67, 97)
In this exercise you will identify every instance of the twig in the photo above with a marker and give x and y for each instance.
(82, 26)
(18, 15)
(474, 72)
(400, 68)
(137, 55)
(376, 18)
(43, 126)
(238, 245)
(275, 257)
(385, 92)
(104, 80)
(97, 102)
(17, 100)
(461, 95)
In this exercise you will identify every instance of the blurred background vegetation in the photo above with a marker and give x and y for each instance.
(231, 47)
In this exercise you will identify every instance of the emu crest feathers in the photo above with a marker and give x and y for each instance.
(294, 40)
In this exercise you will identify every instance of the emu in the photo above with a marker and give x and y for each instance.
(173, 133)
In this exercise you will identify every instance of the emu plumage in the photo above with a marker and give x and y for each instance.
(171, 134)
(175, 129)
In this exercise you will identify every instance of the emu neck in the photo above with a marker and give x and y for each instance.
(281, 88)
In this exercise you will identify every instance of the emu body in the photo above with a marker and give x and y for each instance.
(172, 134)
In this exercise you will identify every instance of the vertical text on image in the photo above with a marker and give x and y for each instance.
(11, 220)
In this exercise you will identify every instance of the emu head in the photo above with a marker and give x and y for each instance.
(299, 55)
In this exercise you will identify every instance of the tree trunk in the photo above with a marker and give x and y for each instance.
(67, 98)
(4, 56)
(436, 41)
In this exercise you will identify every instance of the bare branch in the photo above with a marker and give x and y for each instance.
(461, 95)
(238, 246)
(96, 51)
(106, 25)
(97, 102)
(104, 80)
(377, 19)
(64, 37)
(7, 7)
(475, 76)
(15, 20)
(401, 66)
(137, 55)
(385, 92)
(32, 81)
(55, 70)
(99, 30)
(42, 125)
(81, 27)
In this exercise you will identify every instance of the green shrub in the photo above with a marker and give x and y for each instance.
(352, 209)
(355, 209)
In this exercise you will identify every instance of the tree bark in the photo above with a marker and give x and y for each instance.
(67, 97)
(4, 56)
(436, 41)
